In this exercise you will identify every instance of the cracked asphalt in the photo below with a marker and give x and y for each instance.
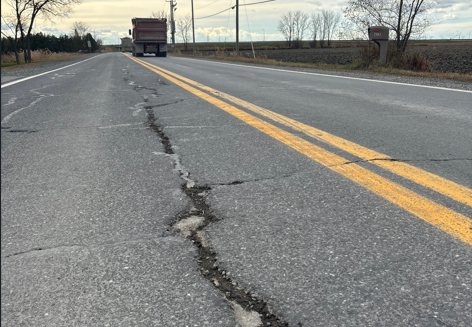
(103, 161)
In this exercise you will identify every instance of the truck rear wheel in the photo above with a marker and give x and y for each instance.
(163, 54)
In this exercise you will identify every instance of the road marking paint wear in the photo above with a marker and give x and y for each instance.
(453, 190)
(445, 219)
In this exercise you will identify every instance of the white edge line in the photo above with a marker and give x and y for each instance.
(337, 76)
(30, 77)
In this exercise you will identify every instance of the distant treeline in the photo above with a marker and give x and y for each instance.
(63, 43)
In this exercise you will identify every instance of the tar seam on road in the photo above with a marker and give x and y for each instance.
(453, 223)
(207, 259)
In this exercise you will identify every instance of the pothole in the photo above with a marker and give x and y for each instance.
(189, 225)
(246, 318)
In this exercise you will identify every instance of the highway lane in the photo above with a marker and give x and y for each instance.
(434, 122)
(319, 248)
(86, 207)
(274, 217)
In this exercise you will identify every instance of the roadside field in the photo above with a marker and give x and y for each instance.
(450, 58)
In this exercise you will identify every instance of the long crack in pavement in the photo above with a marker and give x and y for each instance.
(192, 224)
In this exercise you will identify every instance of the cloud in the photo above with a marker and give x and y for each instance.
(449, 16)
(452, 30)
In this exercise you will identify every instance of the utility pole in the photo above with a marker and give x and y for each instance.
(172, 22)
(193, 30)
(89, 43)
(237, 27)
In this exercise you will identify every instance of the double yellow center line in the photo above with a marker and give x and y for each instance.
(447, 220)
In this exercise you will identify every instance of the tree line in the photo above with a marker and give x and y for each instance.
(63, 43)
(321, 27)
(19, 16)
(404, 18)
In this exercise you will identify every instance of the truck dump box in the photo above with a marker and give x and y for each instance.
(125, 44)
(149, 36)
(149, 30)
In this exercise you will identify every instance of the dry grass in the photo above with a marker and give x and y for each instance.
(38, 58)
(439, 43)
(436, 75)
(233, 57)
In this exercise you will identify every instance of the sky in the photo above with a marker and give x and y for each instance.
(110, 20)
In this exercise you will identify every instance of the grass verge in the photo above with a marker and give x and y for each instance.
(38, 58)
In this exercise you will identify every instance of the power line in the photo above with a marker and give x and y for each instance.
(255, 3)
(249, 4)
(207, 5)
(229, 14)
(203, 7)
(216, 13)
(247, 20)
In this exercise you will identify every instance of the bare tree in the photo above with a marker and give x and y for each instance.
(18, 18)
(315, 27)
(99, 44)
(330, 23)
(286, 27)
(160, 14)
(184, 25)
(28, 10)
(348, 31)
(323, 29)
(405, 18)
(9, 20)
(300, 25)
(80, 29)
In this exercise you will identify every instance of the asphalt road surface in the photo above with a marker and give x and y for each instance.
(181, 192)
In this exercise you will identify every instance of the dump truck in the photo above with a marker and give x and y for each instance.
(125, 44)
(149, 35)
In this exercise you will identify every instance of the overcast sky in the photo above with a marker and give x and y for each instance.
(111, 19)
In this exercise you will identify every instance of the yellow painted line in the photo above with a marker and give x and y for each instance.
(447, 220)
(446, 187)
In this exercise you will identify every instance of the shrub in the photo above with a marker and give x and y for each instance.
(367, 56)
(219, 53)
(415, 61)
